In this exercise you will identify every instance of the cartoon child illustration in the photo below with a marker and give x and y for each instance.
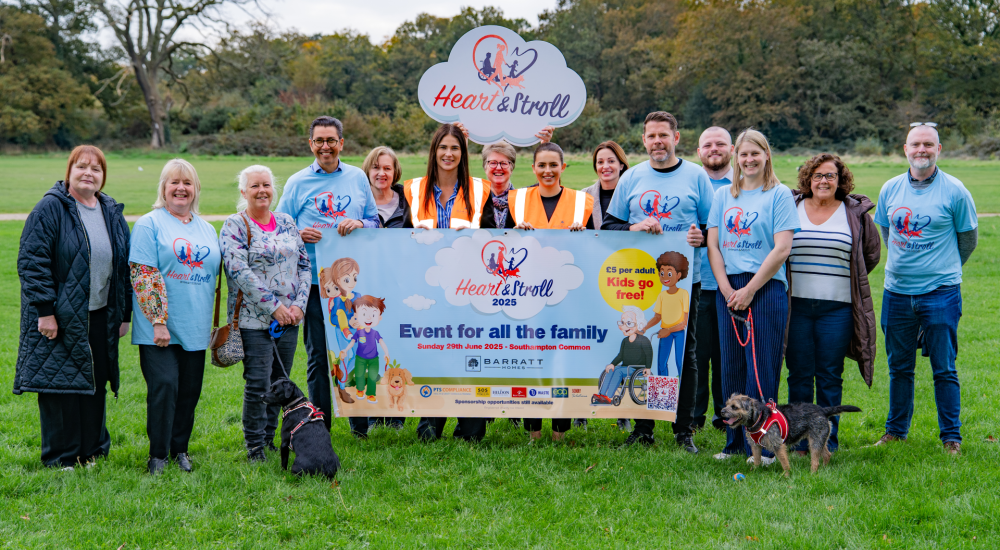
(635, 350)
(367, 315)
(671, 310)
(336, 284)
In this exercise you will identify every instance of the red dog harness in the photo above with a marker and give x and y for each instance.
(315, 415)
(774, 418)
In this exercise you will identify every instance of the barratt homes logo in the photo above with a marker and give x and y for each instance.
(332, 206)
(738, 222)
(501, 262)
(189, 255)
(656, 206)
(502, 87)
(908, 223)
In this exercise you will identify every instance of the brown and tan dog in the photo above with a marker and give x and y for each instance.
(805, 421)
(396, 380)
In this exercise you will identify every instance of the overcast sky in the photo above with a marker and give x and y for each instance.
(379, 18)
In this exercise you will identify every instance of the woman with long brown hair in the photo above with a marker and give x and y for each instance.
(447, 196)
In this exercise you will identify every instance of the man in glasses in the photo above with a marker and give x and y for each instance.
(928, 222)
(327, 194)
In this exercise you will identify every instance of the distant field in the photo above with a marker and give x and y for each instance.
(26, 178)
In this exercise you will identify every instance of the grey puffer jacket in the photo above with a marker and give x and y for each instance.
(53, 265)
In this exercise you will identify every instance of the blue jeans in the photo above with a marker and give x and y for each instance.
(819, 336)
(673, 340)
(612, 380)
(936, 315)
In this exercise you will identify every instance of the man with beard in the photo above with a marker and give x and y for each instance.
(928, 222)
(678, 197)
(715, 150)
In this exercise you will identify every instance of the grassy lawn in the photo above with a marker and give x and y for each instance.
(397, 492)
(34, 174)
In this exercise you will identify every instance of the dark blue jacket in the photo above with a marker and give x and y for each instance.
(54, 267)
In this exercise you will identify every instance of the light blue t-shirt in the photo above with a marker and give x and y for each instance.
(923, 232)
(677, 199)
(321, 200)
(188, 258)
(747, 226)
(708, 281)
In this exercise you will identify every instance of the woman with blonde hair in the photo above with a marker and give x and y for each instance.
(174, 255)
(75, 304)
(750, 231)
(384, 172)
(266, 260)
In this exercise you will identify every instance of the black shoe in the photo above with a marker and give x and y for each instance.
(270, 445)
(183, 461)
(256, 455)
(718, 423)
(156, 465)
(687, 441)
(645, 439)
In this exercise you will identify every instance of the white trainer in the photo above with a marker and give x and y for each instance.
(722, 456)
(765, 460)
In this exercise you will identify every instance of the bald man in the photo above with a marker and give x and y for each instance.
(929, 224)
(715, 151)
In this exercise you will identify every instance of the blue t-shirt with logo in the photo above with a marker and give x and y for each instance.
(677, 199)
(188, 257)
(322, 200)
(708, 281)
(923, 232)
(747, 225)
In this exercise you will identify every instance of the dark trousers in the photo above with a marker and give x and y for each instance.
(262, 366)
(559, 425)
(708, 353)
(318, 363)
(469, 429)
(689, 376)
(173, 386)
(770, 317)
(819, 337)
(73, 425)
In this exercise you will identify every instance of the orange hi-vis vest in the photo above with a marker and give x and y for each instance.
(461, 217)
(573, 207)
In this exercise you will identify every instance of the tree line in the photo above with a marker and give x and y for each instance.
(842, 74)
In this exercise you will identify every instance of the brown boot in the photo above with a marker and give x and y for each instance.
(953, 448)
(888, 438)
(345, 396)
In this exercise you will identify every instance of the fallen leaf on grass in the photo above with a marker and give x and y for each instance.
(25, 517)
(991, 439)
(754, 539)
(123, 544)
(829, 507)
(589, 468)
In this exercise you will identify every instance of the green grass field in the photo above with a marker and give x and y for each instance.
(26, 178)
(394, 491)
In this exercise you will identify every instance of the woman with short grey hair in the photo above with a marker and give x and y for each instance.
(266, 259)
(498, 162)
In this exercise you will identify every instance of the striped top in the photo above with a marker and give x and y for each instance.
(821, 257)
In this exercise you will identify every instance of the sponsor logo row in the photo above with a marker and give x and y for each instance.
(494, 391)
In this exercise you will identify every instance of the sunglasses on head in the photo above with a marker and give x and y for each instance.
(931, 124)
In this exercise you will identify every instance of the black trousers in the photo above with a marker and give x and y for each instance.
(559, 425)
(318, 364)
(469, 429)
(173, 386)
(689, 376)
(74, 426)
(708, 352)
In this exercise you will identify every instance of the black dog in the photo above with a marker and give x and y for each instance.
(302, 431)
(805, 421)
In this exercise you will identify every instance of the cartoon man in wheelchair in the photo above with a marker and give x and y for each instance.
(629, 369)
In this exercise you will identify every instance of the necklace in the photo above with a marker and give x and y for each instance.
(184, 220)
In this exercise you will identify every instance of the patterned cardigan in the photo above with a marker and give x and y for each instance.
(275, 270)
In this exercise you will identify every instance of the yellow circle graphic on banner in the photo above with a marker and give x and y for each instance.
(628, 278)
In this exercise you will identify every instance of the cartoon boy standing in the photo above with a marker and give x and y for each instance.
(367, 315)
(635, 350)
(671, 310)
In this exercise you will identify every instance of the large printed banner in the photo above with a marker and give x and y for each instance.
(501, 87)
(495, 323)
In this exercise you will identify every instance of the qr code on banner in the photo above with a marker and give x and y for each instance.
(662, 393)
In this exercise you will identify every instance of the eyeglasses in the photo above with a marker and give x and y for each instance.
(820, 177)
(327, 141)
(629, 324)
(499, 164)
(931, 124)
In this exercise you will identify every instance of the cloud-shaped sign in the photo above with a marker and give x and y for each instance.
(509, 273)
(501, 87)
(418, 302)
(429, 236)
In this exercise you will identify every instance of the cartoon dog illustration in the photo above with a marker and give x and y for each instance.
(396, 380)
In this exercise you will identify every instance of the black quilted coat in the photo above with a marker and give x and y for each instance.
(54, 267)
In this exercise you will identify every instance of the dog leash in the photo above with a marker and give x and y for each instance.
(748, 321)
